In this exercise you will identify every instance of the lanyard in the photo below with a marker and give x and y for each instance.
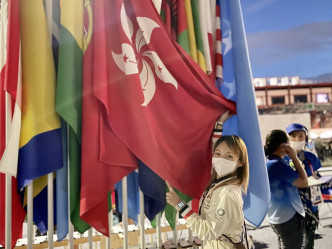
(310, 164)
(216, 181)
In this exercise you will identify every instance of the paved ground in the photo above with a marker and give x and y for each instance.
(264, 237)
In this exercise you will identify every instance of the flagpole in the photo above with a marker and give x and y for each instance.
(158, 226)
(90, 238)
(110, 227)
(142, 216)
(190, 236)
(8, 189)
(175, 231)
(8, 212)
(125, 213)
(50, 211)
(30, 214)
(70, 225)
(8, 178)
(50, 202)
(70, 232)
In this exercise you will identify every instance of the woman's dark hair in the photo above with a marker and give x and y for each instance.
(273, 140)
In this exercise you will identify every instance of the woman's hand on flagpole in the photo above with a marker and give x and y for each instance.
(226, 115)
(220, 121)
(172, 197)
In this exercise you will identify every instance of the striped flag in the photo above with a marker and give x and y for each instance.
(69, 98)
(218, 55)
(210, 12)
(198, 35)
(191, 30)
(182, 36)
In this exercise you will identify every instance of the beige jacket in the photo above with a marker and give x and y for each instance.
(221, 213)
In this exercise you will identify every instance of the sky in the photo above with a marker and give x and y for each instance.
(289, 37)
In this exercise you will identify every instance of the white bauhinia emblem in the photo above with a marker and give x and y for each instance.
(129, 63)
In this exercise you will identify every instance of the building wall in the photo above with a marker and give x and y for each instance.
(270, 122)
(314, 94)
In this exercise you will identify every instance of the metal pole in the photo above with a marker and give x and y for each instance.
(70, 234)
(90, 238)
(142, 218)
(8, 212)
(125, 213)
(175, 232)
(70, 225)
(158, 227)
(8, 189)
(190, 236)
(30, 215)
(50, 211)
(110, 227)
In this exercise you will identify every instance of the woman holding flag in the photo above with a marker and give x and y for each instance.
(220, 221)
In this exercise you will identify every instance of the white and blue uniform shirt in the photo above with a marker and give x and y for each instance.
(285, 198)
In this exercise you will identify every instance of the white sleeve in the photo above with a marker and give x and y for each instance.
(223, 209)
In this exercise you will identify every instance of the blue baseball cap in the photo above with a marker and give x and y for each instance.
(296, 127)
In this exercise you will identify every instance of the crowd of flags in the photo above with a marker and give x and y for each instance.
(98, 90)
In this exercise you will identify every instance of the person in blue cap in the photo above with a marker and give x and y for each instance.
(286, 212)
(311, 196)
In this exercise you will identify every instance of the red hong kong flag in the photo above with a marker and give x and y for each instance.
(158, 102)
(154, 99)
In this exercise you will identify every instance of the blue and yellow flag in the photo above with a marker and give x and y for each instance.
(40, 141)
(40, 150)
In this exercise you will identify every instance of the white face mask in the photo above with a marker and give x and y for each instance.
(223, 166)
(297, 145)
